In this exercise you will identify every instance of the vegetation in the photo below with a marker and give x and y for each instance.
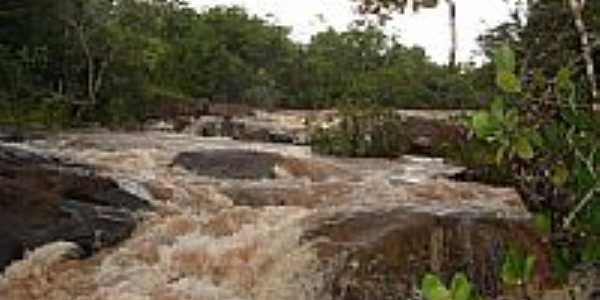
(70, 62)
(460, 288)
(371, 131)
(78, 62)
(546, 134)
(540, 133)
(555, 128)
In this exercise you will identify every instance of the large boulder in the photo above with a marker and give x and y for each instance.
(43, 200)
(384, 254)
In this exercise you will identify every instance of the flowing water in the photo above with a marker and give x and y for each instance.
(261, 237)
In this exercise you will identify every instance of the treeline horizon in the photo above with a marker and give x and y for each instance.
(75, 61)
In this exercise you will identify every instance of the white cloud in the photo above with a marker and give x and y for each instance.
(428, 28)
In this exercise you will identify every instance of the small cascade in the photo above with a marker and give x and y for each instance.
(294, 226)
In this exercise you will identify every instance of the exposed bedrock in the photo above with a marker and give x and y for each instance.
(379, 226)
(43, 200)
(384, 254)
(257, 221)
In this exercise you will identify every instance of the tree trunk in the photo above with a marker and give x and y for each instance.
(586, 49)
(90, 80)
(453, 34)
(89, 58)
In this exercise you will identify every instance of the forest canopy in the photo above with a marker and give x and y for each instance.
(78, 61)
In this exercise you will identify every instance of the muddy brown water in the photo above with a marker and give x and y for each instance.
(277, 223)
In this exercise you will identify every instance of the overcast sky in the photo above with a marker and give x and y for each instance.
(428, 28)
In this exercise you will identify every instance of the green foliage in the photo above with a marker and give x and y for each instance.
(543, 133)
(543, 223)
(518, 268)
(460, 288)
(371, 131)
(102, 58)
(548, 40)
(501, 125)
(505, 60)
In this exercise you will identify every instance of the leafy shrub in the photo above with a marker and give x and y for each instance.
(41, 112)
(371, 131)
(548, 138)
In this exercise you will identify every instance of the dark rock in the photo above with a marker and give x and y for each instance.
(232, 164)
(12, 134)
(43, 200)
(253, 133)
(431, 137)
(280, 136)
(584, 280)
(245, 164)
(384, 254)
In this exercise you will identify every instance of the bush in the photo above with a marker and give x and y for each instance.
(363, 131)
(49, 112)
(546, 138)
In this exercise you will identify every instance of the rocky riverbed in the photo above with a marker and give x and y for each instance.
(224, 219)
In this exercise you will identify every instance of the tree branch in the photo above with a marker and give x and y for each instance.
(577, 7)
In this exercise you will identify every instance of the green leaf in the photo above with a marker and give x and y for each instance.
(529, 268)
(505, 59)
(508, 82)
(511, 269)
(433, 288)
(523, 148)
(511, 118)
(500, 153)
(460, 287)
(497, 108)
(484, 125)
(563, 261)
(560, 175)
(543, 223)
(591, 251)
(563, 79)
(536, 138)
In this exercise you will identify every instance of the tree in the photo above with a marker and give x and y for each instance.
(384, 8)
(556, 34)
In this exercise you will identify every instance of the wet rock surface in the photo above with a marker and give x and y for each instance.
(239, 220)
(233, 164)
(427, 130)
(386, 253)
(43, 200)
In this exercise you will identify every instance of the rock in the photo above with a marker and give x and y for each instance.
(301, 138)
(11, 134)
(430, 136)
(383, 254)
(251, 132)
(244, 164)
(229, 164)
(355, 228)
(585, 282)
(43, 200)
(160, 191)
(207, 126)
(280, 136)
(261, 127)
(159, 125)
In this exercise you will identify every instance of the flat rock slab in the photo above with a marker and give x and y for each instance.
(43, 200)
(229, 164)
